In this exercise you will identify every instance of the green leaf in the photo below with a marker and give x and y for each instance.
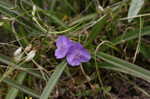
(97, 28)
(48, 13)
(12, 92)
(6, 60)
(53, 80)
(5, 9)
(122, 65)
(145, 50)
(84, 19)
(24, 21)
(68, 5)
(131, 35)
(109, 66)
(21, 87)
(135, 7)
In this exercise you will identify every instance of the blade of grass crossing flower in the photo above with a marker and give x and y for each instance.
(53, 80)
(12, 92)
(126, 66)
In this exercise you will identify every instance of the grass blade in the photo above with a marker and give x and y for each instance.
(135, 7)
(97, 28)
(109, 66)
(12, 93)
(131, 35)
(133, 69)
(84, 19)
(14, 14)
(145, 50)
(21, 87)
(7, 61)
(48, 13)
(53, 80)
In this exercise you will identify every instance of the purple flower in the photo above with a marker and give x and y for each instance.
(74, 52)
(63, 44)
(77, 54)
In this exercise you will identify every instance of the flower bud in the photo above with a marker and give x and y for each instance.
(18, 51)
(30, 55)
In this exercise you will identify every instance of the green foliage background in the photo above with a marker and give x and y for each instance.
(116, 33)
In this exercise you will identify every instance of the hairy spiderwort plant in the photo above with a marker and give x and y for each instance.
(73, 51)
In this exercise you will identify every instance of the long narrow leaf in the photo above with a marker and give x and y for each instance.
(131, 35)
(145, 50)
(21, 20)
(97, 28)
(21, 87)
(135, 7)
(109, 66)
(53, 17)
(137, 71)
(12, 92)
(53, 80)
(7, 61)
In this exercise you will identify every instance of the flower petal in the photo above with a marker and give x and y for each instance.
(77, 54)
(72, 60)
(63, 44)
(84, 55)
(62, 41)
(60, 53)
